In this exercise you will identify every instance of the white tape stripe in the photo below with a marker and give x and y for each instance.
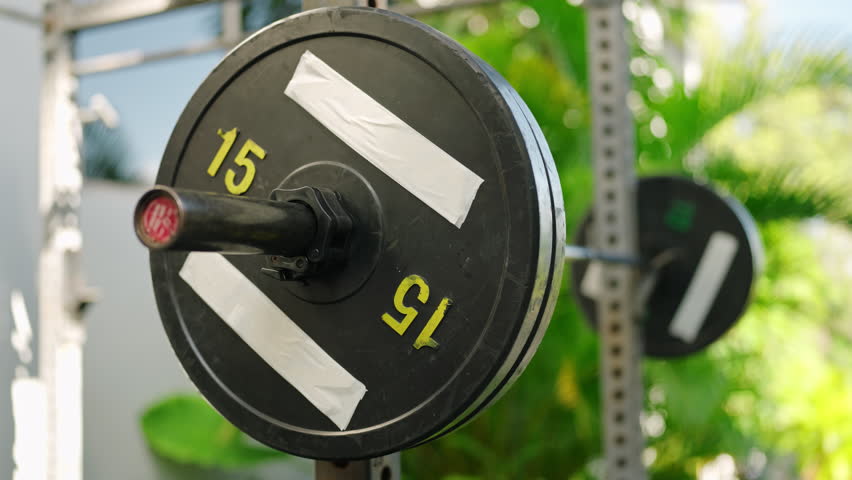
(704, 287)
(274, 336)
(592, 281)
(402, 153)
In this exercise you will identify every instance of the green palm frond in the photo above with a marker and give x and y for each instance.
(735, 79)
(566, 25)
(781, 191)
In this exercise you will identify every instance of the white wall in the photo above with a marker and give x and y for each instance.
(20, 70)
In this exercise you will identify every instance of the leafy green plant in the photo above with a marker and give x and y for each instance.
(184, 428)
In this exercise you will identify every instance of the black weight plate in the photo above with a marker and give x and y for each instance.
(559, 237)
(701, 293)
(495, 268)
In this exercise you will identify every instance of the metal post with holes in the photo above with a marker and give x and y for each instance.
(62, 296)
(381, 468)
(615, 231)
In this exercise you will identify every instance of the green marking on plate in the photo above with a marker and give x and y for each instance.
(680, 216)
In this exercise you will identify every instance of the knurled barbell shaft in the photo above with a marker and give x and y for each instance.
(185, 220)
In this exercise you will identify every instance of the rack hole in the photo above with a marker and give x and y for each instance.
(386, 473)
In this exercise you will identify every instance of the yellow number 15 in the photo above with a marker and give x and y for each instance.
(400, 326)
(241, 160)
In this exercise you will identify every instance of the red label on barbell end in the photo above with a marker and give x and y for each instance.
(160, 220)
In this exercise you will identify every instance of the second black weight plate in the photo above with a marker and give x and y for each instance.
(354, 373)
(710, 252)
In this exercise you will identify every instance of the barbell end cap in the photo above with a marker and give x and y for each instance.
(158, 217)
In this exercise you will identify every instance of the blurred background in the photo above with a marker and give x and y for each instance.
(754, 97)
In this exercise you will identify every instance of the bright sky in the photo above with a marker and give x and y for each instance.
(150, 98)
(830, 16)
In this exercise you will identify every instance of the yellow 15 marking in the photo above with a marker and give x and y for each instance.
(242, 160)
(424, 339)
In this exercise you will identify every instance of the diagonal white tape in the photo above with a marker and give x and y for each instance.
(404, 154)
(704, 287)
(592, 282)
(274, 336)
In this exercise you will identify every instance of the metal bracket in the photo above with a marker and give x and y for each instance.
(381, 468)
(615, 231)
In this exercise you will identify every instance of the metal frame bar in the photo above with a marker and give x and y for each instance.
(576, 252)
(61, 293)
(415, 10)
(228, 40)
(615, 231)
(106, 12)
(18, 15)
(121, 60)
